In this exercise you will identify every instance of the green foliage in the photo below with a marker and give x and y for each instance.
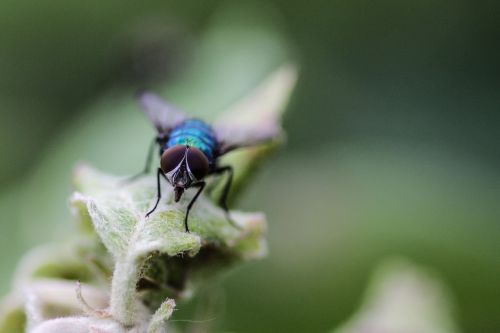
(386, 150)
(153, 258)
(118, 212)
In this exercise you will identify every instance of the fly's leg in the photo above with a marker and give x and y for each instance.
(201, 185)
(225, 192)
(158, 193)
(149, 157)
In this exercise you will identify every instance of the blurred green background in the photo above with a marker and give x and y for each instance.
(393, 136)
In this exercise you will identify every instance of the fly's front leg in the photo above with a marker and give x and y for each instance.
(225, 192)
(158, 193)
(149, 157)
(201, 185)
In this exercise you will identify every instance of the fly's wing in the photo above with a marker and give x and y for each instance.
(163, 115)
(257, 118)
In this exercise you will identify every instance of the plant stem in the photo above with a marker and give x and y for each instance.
(123, 288)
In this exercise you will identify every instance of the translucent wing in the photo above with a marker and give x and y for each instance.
(163, 115)
(257, 118)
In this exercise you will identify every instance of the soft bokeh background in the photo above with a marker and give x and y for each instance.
(393, 136)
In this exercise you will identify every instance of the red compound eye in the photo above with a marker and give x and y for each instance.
(197, 163)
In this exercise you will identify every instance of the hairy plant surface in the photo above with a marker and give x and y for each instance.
(123, 271)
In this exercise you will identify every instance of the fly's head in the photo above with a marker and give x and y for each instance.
(183, 166)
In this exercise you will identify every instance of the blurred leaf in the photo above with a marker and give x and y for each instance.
(12, 318)
(403, 298)
(263, 109)
(58, 261)
(44, 299)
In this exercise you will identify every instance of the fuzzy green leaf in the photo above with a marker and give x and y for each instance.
(118, 215)
(158, 321)
(117, 211)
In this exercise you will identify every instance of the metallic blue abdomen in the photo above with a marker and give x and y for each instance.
(194, 133)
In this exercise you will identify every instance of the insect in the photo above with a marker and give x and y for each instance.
(190, 149)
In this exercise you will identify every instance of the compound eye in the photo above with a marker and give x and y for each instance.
(197, 163)
(172, 157)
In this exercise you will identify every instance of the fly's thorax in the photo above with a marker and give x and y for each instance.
(194, 133)
(184, 165)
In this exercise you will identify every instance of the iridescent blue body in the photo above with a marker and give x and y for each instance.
(194, 133)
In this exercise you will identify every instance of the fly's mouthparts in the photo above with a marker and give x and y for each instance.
(178, 193)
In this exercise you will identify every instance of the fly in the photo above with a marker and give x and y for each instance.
(190, 150)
